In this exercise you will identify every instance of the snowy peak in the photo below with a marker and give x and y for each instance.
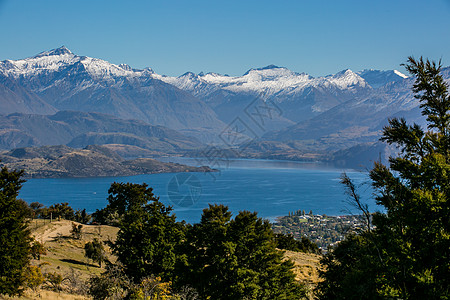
(189, 75)
(125, 67)
(63, 60)
(58, 51)
(269, 72)
(377, 78)
(269, 67)
(270, 81)
(347, 79)
(45, 62)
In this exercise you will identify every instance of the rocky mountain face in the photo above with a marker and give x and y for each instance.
(16, 98)
(331, 113)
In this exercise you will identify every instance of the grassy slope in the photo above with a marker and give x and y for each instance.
(65, 253)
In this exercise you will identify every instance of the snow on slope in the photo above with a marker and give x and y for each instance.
(44, 62)
(347, 79)
(377, 78)
(58, 59)
(267, 81)
(303, 94)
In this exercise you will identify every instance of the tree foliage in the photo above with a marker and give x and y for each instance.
(82, 217)
(37, 249)
(148, 236)
(14, 235)
(111, 284)
(152, 288)
(288, 242)
(218, 258)
(94, 250)
(76, 231)
(236, 258)
(34, 277)
(407, 254)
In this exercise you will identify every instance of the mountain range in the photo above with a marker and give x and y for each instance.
(60, 80)
(309, 114)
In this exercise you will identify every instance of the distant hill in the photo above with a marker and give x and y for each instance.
(93, 161)
(80, 129)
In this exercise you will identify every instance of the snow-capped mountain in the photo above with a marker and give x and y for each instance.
(66, 81)
(62, 59)
(377, 78)
(358, 120)
(202, 104)
(267, 81)
(299, 95)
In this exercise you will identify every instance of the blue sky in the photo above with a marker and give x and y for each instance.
(318, 37)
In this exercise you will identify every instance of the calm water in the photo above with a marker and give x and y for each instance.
(271, 188)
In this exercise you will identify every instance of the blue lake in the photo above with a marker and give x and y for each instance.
(271, 188)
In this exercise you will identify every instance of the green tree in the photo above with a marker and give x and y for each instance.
(288, 242)
(152, 288)
(94, 250)
(37, 249)
(149, 234)
(14, 235)
(111, 284)
(37, 208)
(407, 254)
(58, 210)
(237, 259)
(76, 231)
(81, 216)
(34, 277)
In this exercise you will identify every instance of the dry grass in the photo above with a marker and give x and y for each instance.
(64, 252)
(46, 295)
(306, 268)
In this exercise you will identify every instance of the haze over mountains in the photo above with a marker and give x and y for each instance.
(80, 129)
(327, 113)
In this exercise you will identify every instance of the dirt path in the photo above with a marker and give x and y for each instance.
(50, 231)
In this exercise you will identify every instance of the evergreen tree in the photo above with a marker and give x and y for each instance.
(59, 210)
(14, 235)
(407, 254)
(148, 235)
(207, 253)
(95, 251)
(237, 259)
(288, 242)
